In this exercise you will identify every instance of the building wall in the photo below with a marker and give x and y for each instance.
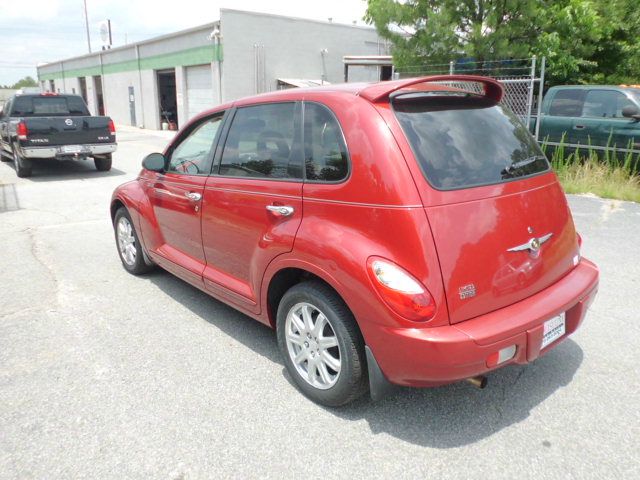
(287, 47)
(291, 48)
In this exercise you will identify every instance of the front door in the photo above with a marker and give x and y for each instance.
(252, 205)
(176, 199)
(602, 123)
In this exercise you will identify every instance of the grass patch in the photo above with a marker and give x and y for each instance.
(607, 175)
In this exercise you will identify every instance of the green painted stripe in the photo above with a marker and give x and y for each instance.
(190, 56)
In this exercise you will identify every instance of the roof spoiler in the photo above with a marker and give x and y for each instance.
(381, 91)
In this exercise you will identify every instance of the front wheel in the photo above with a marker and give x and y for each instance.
(321, 344)
(22, 165)
(129, 247)
(103, 164)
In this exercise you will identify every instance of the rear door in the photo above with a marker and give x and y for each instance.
(560, 123)
(253, 201)
(176, 198)
(501, 223)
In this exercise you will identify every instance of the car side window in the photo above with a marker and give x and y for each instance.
(567, 103)
(325, 151)
(263, 143)
(604, 104)
(194, 154)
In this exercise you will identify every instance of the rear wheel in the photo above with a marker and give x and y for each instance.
(129, 247)
(321, 344)
(103, 164)
(22, 165)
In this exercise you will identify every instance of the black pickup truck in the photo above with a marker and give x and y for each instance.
(53, 126)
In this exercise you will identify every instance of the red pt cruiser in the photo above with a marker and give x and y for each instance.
(407, 232)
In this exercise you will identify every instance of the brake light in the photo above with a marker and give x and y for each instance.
(112, 127)
(400, 291)
(21, 131)
(579, 240)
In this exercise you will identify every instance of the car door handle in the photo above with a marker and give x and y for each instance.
(280, 210)
(578, 127)
(194, 196)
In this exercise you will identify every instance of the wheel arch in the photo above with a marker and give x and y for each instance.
(284, 275)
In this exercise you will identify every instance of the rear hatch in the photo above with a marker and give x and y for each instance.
(506, 243)
(53, 120)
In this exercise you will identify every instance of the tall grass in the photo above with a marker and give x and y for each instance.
(609, 174)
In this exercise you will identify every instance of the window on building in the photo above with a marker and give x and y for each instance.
(605, 104)
(194, 154)
(567, 103)
(262, 143)
(325, 156)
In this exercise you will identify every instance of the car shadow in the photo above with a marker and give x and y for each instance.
(48, 170)
(444, 417)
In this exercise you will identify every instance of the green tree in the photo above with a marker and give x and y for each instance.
(25, 82)
(583, 40)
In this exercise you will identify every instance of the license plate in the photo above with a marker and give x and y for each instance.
(71, 149)
(553, 330)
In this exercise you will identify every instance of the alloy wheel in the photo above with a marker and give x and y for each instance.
(312, 345)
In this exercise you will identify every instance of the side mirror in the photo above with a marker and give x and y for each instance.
(631, 111)
(154, 162)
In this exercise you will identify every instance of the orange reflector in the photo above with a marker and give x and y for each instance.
(501, 356)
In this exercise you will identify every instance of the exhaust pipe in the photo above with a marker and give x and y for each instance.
(479, 381)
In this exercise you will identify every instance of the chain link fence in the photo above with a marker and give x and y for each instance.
(522, 80)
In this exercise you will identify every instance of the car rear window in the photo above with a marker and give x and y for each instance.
(466, 140)
(36, 106)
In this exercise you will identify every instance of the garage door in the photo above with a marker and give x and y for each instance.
(199, 89)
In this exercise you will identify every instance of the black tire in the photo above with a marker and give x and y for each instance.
(138, 266)
(22, 165)
(352, 381)
(103, 164)
(4, 156)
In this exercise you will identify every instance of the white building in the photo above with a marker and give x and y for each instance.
(174, 77)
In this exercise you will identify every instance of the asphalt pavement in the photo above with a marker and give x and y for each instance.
(107, 375)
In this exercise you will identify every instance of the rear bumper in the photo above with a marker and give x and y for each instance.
(59, 153)
(440, 355)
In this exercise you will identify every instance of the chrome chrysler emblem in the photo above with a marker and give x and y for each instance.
(68, 122)
(533, 245)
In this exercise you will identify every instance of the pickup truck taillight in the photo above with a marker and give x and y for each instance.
(112, 127)
(21, 131)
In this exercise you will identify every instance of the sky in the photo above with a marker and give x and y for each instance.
(41, 31)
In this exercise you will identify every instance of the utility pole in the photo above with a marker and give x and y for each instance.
(86, 23)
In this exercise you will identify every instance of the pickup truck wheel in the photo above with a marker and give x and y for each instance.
(321, 344)
(23, 165)
(129, 247)
(103, 164)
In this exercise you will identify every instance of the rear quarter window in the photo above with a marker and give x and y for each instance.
(325, 152)
(466, 141)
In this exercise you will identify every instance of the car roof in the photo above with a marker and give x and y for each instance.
(381, 91)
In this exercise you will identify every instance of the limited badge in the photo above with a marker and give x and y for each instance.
(467, 291)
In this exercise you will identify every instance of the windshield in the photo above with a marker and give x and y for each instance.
(467, 141)
(39, 106)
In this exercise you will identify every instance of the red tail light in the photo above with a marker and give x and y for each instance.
(579, 240)
(112, 127)
(400, 291)
(21, 131)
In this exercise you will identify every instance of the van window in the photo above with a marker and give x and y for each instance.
(605, 104)
(567, 103)
(262, 143)
(194, 153)
(467, 141)
(325, 156)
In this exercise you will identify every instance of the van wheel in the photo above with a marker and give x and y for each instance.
(103, 164)
(22, 165)
(129, 247)
(321, 344)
